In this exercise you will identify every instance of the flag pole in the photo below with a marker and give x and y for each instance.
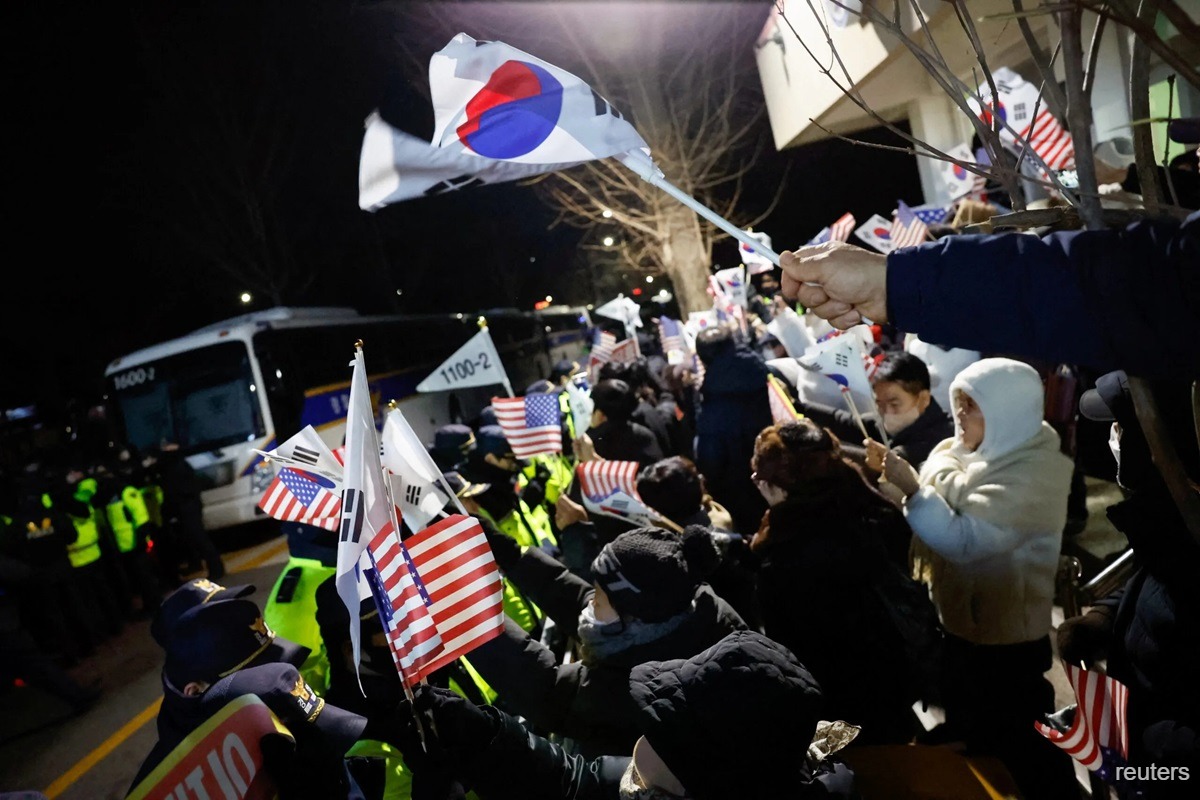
(640, 163)
(483, 326)
(854, 411)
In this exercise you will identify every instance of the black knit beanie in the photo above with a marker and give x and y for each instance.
(652, 574)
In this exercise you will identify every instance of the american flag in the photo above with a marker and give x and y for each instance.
(908, 229)
(1049, 140)
(1098, 735)
(609, 488)
(462, 583)
(674, 340)
(599, 479)
(626, 351)
(532, 424)
(296, 496)
(931, 214)
(782, 409)
(403, 602)
(839, 231)
(603, 346)
(670, 335)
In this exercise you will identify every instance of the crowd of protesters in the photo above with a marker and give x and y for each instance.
(815, 584)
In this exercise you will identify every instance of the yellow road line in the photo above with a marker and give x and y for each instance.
(264, 557)
(93, 758)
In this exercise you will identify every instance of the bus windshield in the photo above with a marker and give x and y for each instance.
(203, 399)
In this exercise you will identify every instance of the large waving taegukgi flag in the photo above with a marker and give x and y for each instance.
(499, 115)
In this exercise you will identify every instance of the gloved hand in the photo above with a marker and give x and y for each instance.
(458, 724)
(1085, 638)
(534, 493)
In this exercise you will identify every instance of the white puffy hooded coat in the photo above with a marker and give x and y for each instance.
(989, 523)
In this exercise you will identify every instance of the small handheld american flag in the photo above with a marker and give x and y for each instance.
(403, 603)
(1098, 734)
(839, 231)
(296, 496)
(671, 336)
(908, 228)
(532, 424)
(609, 488)
(462, 583)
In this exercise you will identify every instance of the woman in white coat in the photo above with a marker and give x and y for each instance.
(987, 512)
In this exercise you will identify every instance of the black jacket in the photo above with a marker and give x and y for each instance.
(913, 444)
(1156, 633)
(1108, 299)
(590, 704)
(733, 411)
(514, 764)
(823, 563)
(625, 441)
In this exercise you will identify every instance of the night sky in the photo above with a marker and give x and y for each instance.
(153, 153)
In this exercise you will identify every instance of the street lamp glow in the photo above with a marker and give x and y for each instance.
(549, 298)
(607, 213)
(649, 279)
(245, 297)
(608, 241)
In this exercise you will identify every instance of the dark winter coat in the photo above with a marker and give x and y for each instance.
(1156, 633)
(590, 704)
(625, 441)
(822, 559)
(1108, 299)
(733, 411)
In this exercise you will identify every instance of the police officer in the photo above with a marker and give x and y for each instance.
(219, 651)
(85, 553)
(452, 444)
(183, 510)
(493, 463)
(128, 518)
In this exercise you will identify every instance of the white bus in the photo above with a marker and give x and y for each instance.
(252, 381)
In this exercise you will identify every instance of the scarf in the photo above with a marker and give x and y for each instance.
(602, 640)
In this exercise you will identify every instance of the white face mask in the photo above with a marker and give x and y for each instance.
(1114, 443)
(894, 423)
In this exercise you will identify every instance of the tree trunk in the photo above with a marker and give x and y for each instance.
(686, 258)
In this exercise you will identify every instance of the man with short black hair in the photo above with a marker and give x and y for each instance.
(906, 410)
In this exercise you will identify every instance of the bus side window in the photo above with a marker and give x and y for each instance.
(285, 390)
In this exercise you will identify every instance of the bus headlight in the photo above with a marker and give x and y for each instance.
(261, 478)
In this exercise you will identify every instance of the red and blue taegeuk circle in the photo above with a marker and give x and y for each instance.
(514, 113)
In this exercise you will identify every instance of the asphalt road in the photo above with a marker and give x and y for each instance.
(96, 755)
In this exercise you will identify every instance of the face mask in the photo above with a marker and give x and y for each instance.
(631, 788)
(894, 423)
(1114, 443)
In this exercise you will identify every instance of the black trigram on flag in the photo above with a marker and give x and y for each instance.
(452, 184)
(603, 106)
(841, 359)
(412, 495)
(305, 456)
(352, 515)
